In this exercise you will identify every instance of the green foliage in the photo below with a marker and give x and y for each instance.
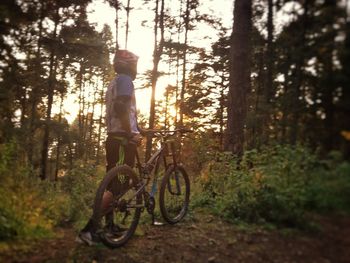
(331, 186)
(30, 207)
(198, 148)
(80, 184)
(21, 206)
(276, 185)
(70, 200)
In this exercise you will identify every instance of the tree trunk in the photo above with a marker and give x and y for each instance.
(59, 140)
(299, 79)
(240, 54)
(91, 128)
(258, 125)
(100, 126)
(270, 53)
(166, 108)
(51, 80)
(158, 50)
(222, 108)
(329, 83)
(183, 86)
(34, 93)
(23, 102)
(79, 146)
(127, 24)
(178, 68)
(116, 7)
(166, 113)
(268, 89)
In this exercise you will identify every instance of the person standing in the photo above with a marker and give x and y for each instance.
(122, 128)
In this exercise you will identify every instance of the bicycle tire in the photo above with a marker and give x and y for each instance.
(167, 187)
(108, 185)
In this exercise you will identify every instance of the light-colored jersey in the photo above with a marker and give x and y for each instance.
(121, 85)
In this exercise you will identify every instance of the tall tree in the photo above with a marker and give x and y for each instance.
(50, 94)
(239, 76)
(344, 103)
(270, 54)
(127, 24)
(117, 6)
(328, 78)
(299, 66)
(183, 85)
(37, 90)
(179, 25)
(157, 53)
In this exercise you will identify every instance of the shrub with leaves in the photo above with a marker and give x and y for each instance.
(277, 185)
(81, 184)
(30, 207)
(21, 206)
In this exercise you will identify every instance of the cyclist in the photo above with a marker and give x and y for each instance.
(122, 129)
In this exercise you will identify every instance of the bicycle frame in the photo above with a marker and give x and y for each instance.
(153, 164)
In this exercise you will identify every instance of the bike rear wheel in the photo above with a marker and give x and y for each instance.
(174, 194)
(118, 206)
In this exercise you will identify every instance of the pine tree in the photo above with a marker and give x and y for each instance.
(239, 76)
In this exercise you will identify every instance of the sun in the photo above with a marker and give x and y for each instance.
(143, 96)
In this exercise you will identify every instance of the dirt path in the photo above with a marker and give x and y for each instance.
(204, 238)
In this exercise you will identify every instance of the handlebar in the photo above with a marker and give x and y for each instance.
(164, 132)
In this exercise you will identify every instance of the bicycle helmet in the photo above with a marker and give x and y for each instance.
(125, 62)
(125, 57)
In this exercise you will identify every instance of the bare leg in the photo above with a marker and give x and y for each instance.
(107, 201)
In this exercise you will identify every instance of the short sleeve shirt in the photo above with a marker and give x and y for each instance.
(125, 87)
(121, 85)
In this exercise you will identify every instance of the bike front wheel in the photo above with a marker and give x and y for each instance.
(174, 194)
(118, 205)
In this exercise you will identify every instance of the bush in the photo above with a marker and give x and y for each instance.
(330, 190)
(30, 207)
(277, 185)
(21, 206)
(81, 184)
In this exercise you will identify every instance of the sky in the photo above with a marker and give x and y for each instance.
(141, 39)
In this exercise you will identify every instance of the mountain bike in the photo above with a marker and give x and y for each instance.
(128, 191)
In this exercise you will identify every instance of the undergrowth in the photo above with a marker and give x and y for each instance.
(277, 185)
(31, 208)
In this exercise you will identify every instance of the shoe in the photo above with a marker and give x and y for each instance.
(87, 238)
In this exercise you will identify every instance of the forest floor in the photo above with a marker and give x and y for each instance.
(200, 238)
